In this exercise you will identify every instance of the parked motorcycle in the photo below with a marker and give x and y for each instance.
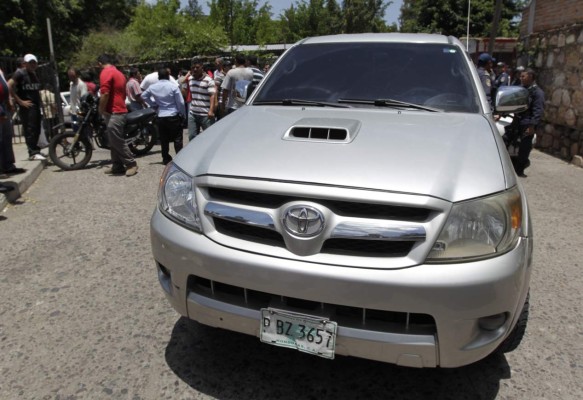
(73, 150)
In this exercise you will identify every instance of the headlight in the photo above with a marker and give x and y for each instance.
(480, 228)
(176, 197)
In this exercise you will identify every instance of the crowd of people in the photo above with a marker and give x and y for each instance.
(523, 127)
(194, 100)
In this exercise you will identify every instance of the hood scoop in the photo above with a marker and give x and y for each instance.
(323, 130)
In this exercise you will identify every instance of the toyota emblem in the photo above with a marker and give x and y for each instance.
(303, 221)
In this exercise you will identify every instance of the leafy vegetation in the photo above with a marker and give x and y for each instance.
(140, 30)
(449, 17)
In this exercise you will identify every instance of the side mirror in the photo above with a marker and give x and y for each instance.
(241, 88)
(511, 99)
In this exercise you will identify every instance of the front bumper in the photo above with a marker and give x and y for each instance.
(456, 296)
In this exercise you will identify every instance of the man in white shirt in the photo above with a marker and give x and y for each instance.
(153, 78)
(77, 89)
(241, 72)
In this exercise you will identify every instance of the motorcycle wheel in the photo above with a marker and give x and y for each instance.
(145, 141)
(69, 156)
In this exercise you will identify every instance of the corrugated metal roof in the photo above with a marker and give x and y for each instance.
(255, 47)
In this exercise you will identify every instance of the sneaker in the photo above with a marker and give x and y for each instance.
(37, 157)
(113, 171)
(131, 171)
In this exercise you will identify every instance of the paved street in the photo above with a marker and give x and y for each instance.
(82, 315)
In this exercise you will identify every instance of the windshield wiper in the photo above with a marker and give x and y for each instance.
(299, 102)
(389, 103)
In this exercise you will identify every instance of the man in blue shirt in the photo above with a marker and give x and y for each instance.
(165, 96)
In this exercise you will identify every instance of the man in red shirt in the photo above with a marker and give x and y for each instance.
(113, 108)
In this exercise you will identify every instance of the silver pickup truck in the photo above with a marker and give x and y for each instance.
(361, 203)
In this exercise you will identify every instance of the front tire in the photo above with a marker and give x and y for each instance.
(144, 141)
(513, 340)
(69, 156)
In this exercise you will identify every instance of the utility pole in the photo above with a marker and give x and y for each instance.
(495, 23)
(56, 84)
(468, 28)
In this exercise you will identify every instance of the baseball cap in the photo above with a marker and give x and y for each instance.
(485, 57)
(29, 58)
(501, 64)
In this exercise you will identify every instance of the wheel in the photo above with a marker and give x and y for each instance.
(513, 340)
(69, 156)
(144, 141)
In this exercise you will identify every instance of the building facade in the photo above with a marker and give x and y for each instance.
(551, 36)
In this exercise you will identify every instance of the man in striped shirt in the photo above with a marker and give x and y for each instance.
(202, 106)
(258, 74)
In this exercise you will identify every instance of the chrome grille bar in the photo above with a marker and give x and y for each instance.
(240, 215)
(378, 231)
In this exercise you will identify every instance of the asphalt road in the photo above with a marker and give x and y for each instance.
(82, 315)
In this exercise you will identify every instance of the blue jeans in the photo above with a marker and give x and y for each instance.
(197, 124)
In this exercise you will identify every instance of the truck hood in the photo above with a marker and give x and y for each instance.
(451, 156)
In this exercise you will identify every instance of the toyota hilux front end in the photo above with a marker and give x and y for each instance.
(360, 204)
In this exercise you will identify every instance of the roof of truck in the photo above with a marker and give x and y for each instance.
(381, 37)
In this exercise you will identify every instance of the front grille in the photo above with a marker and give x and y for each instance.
(248, 232)
(353, 317)
(372, 248)
(348, 247)
(344, 208)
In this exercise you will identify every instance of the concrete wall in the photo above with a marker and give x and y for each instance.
(554, 49)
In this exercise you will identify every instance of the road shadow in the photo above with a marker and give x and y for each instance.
(90, 165)
(12, 196)
(228, 365)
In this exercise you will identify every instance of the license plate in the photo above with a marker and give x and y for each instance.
(306, 333)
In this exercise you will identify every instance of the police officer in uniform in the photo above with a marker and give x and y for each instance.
(516, 76)
(503, 78)
(484, 72)
(529, 120)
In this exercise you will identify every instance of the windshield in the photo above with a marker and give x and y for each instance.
(431, 75)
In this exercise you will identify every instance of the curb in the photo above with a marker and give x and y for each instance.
(21, 182)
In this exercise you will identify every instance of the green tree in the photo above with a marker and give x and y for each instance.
(156, 32)
(312, 18)
(24, 24)
(364, 15)
(163, 33)
(222, 13)
(449, 17)
(193, 9)
(326, 17)
(334, 16)
(267, 30)
(244, 21)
